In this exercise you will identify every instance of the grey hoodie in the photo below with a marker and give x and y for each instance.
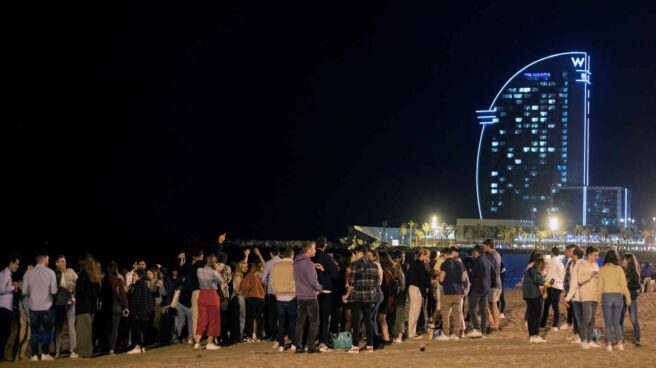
(305, 277)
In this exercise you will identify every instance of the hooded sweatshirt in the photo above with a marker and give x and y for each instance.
(305, 277)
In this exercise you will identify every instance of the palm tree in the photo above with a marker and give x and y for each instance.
(603, 233)
(411, 226)
(403, 231)
(426, 228)
(419, 235)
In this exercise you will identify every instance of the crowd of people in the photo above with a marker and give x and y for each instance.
(614, 286)
(301, 302)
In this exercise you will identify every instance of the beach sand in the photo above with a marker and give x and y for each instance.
(509, 348)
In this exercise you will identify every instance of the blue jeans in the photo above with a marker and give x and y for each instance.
(287, 312)
(578, 316)
(633, 314)
(612, 304)
(184, 315)
(40, 319)
(65, 313)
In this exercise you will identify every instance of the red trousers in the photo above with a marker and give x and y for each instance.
(209, 320)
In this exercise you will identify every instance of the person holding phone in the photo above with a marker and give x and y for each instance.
(120, 306)
(555, 278)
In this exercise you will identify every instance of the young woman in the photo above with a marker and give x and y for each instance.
(156, 286)
(253, 290)
(119, 303)
(387, 306)
(532, 287)
(399, 301)
(632, 271)
(238, 302)
(87, 293)
(611, 289)
(374, 257)
(209, 323)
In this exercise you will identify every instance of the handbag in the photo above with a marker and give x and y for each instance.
(342, 341)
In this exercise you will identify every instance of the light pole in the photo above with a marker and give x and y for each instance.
(554, 223)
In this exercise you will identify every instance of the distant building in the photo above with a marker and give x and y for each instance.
(478, 230)
(534, 144)
(608, 207)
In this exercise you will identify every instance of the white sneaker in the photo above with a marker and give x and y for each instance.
(554, 329)
(292, 348)
(539, 340)
(73, 355)
(324, 349)
(34, 358)
(566, 326)
(620, 346)
(197, 346)
(398, 340)
(594, 344)
(47, 357)
(576, 340)
(190, 341)
(135, 351)
(609, 347)
(212, 346)
(441, 338)
(474, 333)
(502, 316)
(454, 338)
(281, 349)
(585, 345)
(276, 345)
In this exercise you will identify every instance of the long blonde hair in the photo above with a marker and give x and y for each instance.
(90, 266)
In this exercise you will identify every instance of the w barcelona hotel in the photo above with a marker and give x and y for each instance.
(533, 151)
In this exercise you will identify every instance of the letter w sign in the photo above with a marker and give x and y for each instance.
(578, 62)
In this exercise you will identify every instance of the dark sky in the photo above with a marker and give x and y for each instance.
(139, 124)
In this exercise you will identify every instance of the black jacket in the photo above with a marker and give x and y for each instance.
(141, 300)
(86, 294)
(418, 276)
(330, 273)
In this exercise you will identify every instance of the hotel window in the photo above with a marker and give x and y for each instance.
(502, 179)
(543, 120)
(551, 126)
(518, 161)
(518, 131)
(552, 149)
(534, 149)
(502, 132)
(535, 120)
(495, 143)
(510, 155)
(494, 173)
(494, 191)
(493, 185)
(526, 149)
(493, 209)
(534, 107)
(509, 167)
(518, 120)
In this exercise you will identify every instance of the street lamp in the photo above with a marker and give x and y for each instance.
(554, 223)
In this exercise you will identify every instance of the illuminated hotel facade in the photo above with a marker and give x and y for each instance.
(533, 151)
(534, 138)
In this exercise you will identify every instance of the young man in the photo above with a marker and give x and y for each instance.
(481, 279)
(362, 292)
(452, 278)
(270, 300)
(497, 286)
(418, 285)
(281, 282)
(65, 306)
(327, 277)
(307, 289)
(555, 278)
(7, 288)
(586, 274)
(191, 288)
(40, 285)
(572, 297)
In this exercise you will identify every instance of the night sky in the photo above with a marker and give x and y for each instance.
(139, 125)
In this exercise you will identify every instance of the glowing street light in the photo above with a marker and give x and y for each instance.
(554, 223)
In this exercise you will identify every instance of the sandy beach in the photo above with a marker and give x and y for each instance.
(509, 348)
